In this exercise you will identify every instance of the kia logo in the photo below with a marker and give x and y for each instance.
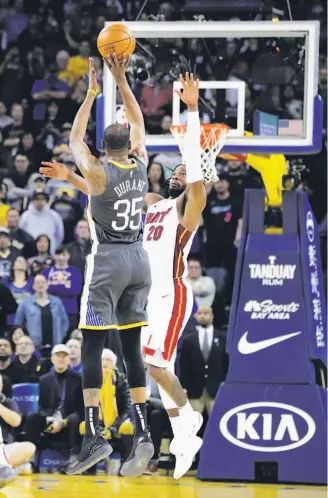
(267, 427)
(310, 226)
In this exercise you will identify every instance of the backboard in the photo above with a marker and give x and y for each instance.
(272, 106)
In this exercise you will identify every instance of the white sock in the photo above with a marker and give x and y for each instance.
(176, 425)
(185, 410)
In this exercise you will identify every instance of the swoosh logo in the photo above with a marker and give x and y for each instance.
(245, 347)
(167, 295)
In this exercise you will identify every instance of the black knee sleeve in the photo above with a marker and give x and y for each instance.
(131, 347)
(92, 348)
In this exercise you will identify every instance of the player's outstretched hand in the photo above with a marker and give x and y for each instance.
(54, 170)
(117, 67)
(190, 87)
(93, 83)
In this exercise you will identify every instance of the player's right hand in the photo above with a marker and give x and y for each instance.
(117, 67)
(54, 170)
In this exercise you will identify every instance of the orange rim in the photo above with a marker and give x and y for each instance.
(210, 133)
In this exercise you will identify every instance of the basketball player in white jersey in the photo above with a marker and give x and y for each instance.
(170, 226)
(169, 230)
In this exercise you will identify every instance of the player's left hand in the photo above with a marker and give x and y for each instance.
(54, 170)
(93, 84)
(190, 88)
(117, 67)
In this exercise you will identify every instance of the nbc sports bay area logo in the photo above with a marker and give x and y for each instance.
(268, 310)
(272, 274)
(267, 427)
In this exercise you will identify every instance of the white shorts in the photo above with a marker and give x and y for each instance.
(169, 308)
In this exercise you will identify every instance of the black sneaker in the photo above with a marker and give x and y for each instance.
(7, 475)
(140, 456)
(93, 450)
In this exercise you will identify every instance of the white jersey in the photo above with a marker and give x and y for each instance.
(167, 243)
(170, 300)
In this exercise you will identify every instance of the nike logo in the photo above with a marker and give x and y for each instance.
(245, 347)
(167, 295)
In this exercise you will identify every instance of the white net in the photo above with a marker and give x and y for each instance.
(212, 141)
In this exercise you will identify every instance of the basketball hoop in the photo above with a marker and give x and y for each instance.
(212, 139)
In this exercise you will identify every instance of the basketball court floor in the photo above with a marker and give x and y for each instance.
(58, 486)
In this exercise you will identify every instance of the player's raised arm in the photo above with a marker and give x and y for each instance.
(196, 193)
(90, 167)
(132, 109)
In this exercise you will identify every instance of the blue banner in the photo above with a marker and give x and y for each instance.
(312, 281)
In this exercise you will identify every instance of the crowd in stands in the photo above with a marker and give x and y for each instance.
(44, 233)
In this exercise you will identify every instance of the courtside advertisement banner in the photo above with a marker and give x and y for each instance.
(270, 329)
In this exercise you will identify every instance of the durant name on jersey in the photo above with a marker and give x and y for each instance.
(128, 186)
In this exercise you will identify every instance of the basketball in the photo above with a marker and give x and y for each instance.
(118, 38)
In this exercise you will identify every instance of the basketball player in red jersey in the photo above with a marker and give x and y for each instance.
(169, 229)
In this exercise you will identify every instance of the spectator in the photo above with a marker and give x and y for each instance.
(31, 36)
(10, 417)
(51, 88)
(19, 197)
(5, 158)
(66, 203)
(12, 80)
(156, 178)
(60, 402)
(26, 366)
(40, 219)
(29, 148)
(77, 334)
(50, 134)
(16, 21)
(79, 64)
(43, 315)
(8, 306)
(203, 361)
(19, 239)
(5, 120)
(81, 247)
(62, 59)
(115, 402)
(21, 173)
(75, 347)
(65, 281)
(13, 133)
(16, 333)
(153, 99)
(223, 224)
(6, 366)
(4, 207)
(19, 284)
(203, 287)
(43, 259)
(8, 254)
(240, 179)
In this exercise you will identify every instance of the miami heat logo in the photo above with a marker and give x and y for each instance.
(155, 221)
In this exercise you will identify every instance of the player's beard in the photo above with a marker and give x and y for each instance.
(175, 192)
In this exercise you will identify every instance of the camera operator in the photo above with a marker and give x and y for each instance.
(60, 403)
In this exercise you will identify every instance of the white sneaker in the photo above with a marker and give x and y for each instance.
(183, 461)
(191, 426)
(25, 469)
